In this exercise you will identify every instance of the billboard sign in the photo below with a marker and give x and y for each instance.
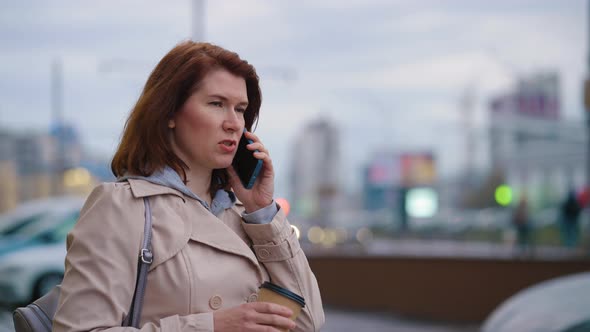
(407, 169)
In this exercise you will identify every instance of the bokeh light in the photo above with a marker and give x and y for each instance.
(503, 195)
(284, 205)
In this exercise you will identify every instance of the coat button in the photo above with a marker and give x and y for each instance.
(215, 302)
(264, 253)
(253, 297)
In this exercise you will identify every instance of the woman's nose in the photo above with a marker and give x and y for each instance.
(231, 122)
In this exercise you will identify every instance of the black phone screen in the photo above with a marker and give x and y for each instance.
(245, 164)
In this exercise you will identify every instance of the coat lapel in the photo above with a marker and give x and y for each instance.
(204, 227)
(210, 230)
(143, 188)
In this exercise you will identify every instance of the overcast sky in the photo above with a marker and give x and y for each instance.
(387, 73)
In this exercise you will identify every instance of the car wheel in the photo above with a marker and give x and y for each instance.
(45, 283)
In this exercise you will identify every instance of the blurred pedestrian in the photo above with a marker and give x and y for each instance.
(584, 197)
(211, 252)
(569, 217)
(522, 225)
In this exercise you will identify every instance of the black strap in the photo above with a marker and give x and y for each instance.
(145, 260)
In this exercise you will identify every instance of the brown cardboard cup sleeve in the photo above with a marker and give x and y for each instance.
(270, 292)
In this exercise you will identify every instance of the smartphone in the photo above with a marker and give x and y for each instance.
(245, 164)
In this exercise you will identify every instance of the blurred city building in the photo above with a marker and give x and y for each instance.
(26, 166)
(314, 175)
(532, 146)
(8, 173)
(37, 164)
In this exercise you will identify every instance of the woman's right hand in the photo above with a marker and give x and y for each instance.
(255, 316)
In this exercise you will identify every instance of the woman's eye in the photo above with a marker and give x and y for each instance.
(241, 110)
(216, 103)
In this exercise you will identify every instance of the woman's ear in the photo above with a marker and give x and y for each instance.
(171, 124)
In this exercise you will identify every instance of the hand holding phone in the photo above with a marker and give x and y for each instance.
(246, 165)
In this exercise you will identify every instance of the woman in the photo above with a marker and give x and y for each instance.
(211, 251)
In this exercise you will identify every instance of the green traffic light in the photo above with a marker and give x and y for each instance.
(503, 195)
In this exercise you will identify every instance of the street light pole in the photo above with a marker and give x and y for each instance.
(57, 119)
(198, 20)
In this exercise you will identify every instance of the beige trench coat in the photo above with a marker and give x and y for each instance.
(202, 263)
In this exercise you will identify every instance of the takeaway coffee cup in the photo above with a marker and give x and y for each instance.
(270, 292)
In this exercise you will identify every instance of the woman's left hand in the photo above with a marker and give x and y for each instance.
(261, 194)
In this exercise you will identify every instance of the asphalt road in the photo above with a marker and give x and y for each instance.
(338, 320)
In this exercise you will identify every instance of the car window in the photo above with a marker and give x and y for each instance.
(48, 221)
(18, 226)
(59, 234)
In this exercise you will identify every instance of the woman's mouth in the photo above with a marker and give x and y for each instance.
(228, 146)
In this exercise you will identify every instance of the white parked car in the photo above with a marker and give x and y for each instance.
(31, 212)
(31, 272)
(32, 253)
(557, 305)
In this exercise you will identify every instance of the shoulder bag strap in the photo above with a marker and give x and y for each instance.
(145, 260)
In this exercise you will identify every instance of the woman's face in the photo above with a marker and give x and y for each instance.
(206, 130)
